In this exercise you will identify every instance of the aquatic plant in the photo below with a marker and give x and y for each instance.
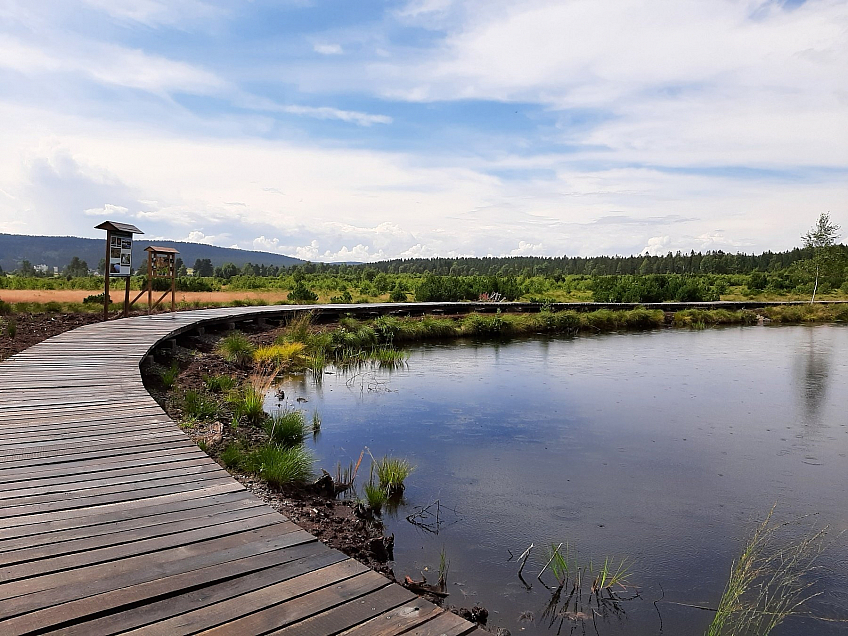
(391, 473)
(375, 496)
(768, 582)
(316, 422)
(444, 567)
(286, 427)
(610, 576)
(236, 348)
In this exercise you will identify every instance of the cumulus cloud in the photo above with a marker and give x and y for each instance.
(657, 245)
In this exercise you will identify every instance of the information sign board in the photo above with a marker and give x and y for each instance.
(120, 253)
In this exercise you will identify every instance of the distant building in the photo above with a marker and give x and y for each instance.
(41, 269)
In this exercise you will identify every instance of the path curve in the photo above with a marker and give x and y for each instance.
(113, 521)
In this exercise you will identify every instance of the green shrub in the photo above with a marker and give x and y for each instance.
(301, 293)
(5, 308)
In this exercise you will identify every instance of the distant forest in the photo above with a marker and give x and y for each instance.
(713, 262)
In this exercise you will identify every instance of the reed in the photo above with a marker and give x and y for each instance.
(769, 581)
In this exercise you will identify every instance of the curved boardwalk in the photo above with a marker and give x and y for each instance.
(112, 521)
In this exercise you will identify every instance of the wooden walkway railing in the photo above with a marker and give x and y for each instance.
(112, 521)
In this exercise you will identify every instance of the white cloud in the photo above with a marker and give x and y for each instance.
(108, 211)
(324, 112)
(657, 245)
(328, 49)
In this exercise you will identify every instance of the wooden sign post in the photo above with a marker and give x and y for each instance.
(119, 239)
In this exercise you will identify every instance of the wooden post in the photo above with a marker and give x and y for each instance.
(106, 291)
(149, 282)
(173, 282)
(127, 298)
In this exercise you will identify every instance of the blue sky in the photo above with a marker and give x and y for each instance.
(373, 129)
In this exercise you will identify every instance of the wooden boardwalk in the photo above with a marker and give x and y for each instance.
(112, 521)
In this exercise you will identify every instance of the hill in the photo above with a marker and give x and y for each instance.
(59, 250)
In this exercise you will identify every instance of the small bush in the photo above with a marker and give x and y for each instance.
(94, 299)
(236, 348)
(280, 466)
(286, 427)
(301, 293)
(5, 308)
(11, 328)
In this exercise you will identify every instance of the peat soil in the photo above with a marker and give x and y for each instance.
(30, 329)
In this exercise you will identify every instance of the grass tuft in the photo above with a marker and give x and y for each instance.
(236, 348)
(768, 582)
(391, 473)
(219, 383)
(169, 376)
(280, 466)
(286, 427)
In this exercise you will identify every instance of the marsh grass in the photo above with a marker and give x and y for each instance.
(169, 376)
(375, 496)
(248, 404)
(280, 466)
(286, 427)
(391, 473)
(236, 348)
(807, 313)
(220, 383)
(316, 423)
(769, 581)
(702, 318)
(198, 406)
(279, 356)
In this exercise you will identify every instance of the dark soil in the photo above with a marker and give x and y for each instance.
(30, 329)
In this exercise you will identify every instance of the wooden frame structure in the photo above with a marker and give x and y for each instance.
(161, 263)
(124, 231)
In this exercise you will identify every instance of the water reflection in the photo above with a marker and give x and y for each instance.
(813, 362)
(660, 447)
